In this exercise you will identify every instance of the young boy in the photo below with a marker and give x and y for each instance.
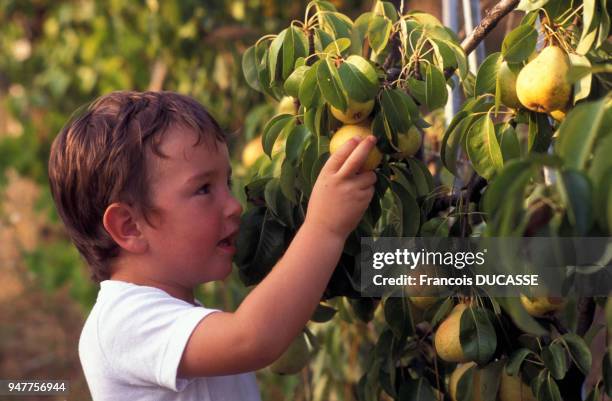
(142, 183)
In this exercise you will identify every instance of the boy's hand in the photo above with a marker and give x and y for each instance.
(342, 191)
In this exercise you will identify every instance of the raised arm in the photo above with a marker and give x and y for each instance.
(278, 308)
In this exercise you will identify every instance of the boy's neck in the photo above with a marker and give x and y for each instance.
(173, 289)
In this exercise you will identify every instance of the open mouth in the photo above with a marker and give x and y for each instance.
(228, 242)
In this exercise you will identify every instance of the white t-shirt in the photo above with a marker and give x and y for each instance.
(132, 343)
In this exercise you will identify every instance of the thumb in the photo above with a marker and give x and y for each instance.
(337, 159)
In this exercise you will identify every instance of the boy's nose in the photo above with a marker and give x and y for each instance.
(233, 208)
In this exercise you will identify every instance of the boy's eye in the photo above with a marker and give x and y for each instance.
(204, 189)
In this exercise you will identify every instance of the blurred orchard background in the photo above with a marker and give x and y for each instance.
(57, 55)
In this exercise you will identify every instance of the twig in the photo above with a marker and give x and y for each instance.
(586, 312)
(494, 15)
(469, 193)
(394, 55)
(311, 48)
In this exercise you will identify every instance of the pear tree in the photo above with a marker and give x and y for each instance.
(527, 154)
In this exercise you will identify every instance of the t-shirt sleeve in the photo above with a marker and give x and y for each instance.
(143, 334)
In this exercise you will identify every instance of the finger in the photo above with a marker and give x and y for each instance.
(338, 158)
(366, 179)
(356, 160)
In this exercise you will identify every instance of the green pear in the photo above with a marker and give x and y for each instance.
(543, 85)
(410, 142)
(507, 86)
(294, 359)
(286, 105)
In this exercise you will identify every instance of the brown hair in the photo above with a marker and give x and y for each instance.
(99, 157)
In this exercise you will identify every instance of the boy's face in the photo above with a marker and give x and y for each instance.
(193, 240)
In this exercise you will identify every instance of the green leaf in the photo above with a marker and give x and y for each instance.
(296, 142)
(288, 175)
(294, 47)
(509, 143)
(579, 131)
(519, 44)
(387, 9)
(540, 133)
(455, 132)
(436, 227)
(531, 5)
(604, 25)
(590, 23)
(416, 390)
(274, 61)
(436, 94)
(579, 351)
(477, 335)
(549, 390)
(442, 312)
(398, 108)
(606, 368)
(513, 307)
(379, 31)
(486, 77)
(359, 78)
(465, 385)
(330, 84)
(249, 68)
(294, 81)
(336, 24)
(483, 149)
(260, 245)
(408, 214)
(576, 191)
(322, 39)
(273, 129)
(337, 47)
(309, 93)
(323, 313)
(582, 88)
(398, 317)
(555, 360)
(513, 367)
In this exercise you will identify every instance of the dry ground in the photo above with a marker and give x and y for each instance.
(39, 331)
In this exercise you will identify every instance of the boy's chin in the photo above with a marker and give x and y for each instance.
(220, 273)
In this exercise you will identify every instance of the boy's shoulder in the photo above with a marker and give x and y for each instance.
(137, 323)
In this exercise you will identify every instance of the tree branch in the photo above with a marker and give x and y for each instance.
(493, 16)
(490, 21)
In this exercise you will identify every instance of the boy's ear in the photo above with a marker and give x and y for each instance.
(120, 221)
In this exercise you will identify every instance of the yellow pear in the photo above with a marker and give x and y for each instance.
(410, 142)
(252, 151)
(456, 376)
(542, 85)
(345, 133)
(355, 111)
(423, 302)
(541, 306)
(512, 388)
(294, 358)
(558, 115)
(507, 86)
(446, 339)
(286, 105)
